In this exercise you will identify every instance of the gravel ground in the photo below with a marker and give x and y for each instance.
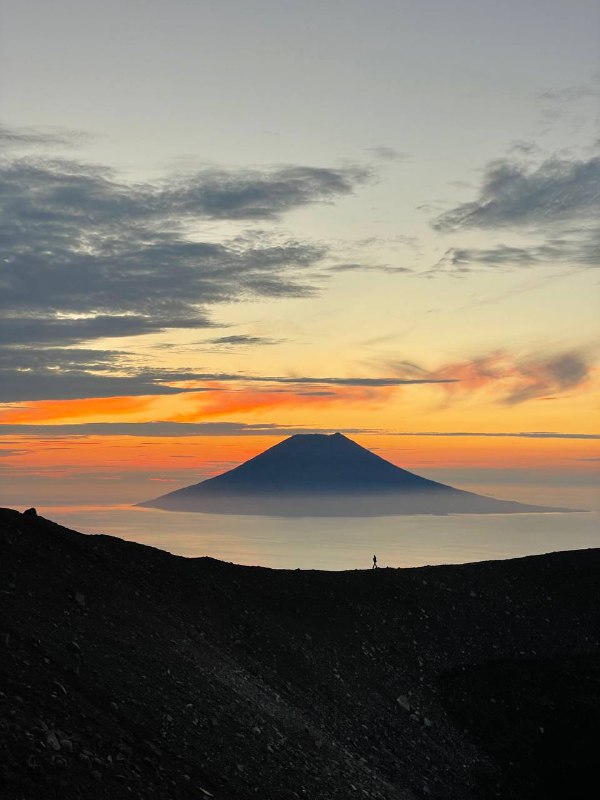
(127, 672)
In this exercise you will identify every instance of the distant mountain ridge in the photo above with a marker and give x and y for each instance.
(327, 475)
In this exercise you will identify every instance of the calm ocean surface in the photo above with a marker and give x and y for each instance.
(338, 543)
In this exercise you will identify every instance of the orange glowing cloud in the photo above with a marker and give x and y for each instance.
(86, 409)
(512, 380)
(216, 404)
(212, 403)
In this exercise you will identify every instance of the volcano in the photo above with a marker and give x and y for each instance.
(322, 475)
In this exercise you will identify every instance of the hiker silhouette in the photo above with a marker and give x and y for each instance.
(374, 562)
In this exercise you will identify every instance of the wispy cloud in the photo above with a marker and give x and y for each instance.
(182, 429)
(563, 251)
(557, 200)
(385, 153)
(503, 434)
(240, 339)
(165, 429)
(511, 194)
(8, 452)
(521, 379)
(54, 373)
(509, 379)
(11, 137)
(360, 267)
(298, 380)
(573, 108)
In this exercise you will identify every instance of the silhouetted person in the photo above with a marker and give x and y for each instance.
(374, 562)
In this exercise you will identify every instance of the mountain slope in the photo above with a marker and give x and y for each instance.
(314, 474)
(129, 672)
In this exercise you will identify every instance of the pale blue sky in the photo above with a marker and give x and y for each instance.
(256, 81)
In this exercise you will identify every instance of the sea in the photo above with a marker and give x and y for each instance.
(337, 543)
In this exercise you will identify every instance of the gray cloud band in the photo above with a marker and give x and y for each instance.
(517, 435)
(174, 429)
(559, 200)
(163, 429)
(67, 373)
(513, 195)
(67, 376)
(86, 256)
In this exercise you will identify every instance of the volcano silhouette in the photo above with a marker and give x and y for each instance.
(319, 475)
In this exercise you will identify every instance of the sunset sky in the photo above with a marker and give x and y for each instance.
(226, 222)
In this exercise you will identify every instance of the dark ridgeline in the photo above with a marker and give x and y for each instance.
(127, 672)
(315, 474)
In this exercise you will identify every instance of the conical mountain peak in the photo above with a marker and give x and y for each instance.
(323, 475)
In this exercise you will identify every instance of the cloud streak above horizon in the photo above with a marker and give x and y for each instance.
(55, 374)
(510, 379)
(177, 429)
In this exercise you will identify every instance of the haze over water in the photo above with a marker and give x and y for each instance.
(337, 543)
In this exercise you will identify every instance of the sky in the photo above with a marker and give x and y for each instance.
(225, 223)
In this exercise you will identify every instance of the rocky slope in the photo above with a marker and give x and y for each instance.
(127, 672)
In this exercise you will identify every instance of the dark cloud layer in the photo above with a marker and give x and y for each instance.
(58, 358)
(67, 374)
(19, 386)
(250, 195)
(513, 195)
(558, 199)
(87, 256)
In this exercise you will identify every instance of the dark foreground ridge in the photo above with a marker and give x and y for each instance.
(128, 672)
(318, 475)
